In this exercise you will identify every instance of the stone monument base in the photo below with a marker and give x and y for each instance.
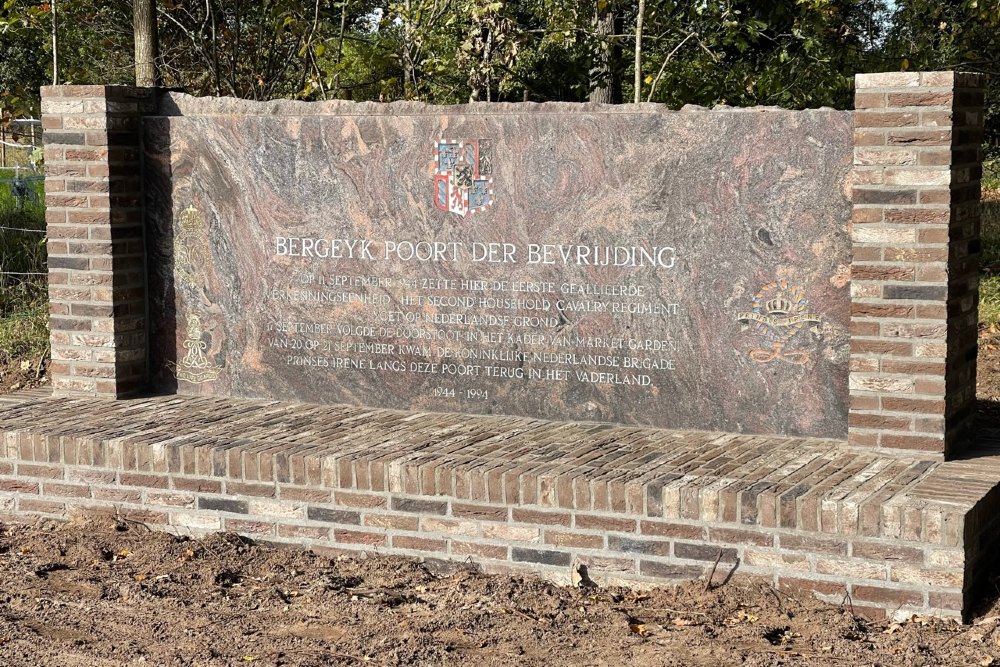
(895, 535)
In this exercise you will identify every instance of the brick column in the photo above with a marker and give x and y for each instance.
(97, 276)
(915, 239)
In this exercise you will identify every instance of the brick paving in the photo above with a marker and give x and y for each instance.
(633, 503)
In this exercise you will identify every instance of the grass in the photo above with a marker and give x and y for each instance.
(24, 308)
(989, 285)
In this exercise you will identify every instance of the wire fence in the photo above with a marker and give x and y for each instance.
(21, 141)
(22, 205)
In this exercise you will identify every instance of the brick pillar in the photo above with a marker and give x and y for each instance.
(915, 240)
(97, 276)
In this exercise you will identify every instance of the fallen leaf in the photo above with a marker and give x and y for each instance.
(682, 622)
(742, 616)
(639, 629)
(892, 628)
(140, 577)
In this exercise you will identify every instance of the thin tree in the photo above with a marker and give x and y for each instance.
(55, 47)
(638, 52)
(147, 74)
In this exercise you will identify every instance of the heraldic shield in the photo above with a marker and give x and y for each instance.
(463, 177)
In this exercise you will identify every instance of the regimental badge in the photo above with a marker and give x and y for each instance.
(463, 175)
(780, 311)
(192, 255)
(195, 367)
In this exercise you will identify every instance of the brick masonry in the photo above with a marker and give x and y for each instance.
(97, 273)
(915, 242)
(899, 535)
(880, 518)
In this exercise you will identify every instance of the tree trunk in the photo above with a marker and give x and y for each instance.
(55, 46)
(146, 43)
(605, 79)
(638, 52)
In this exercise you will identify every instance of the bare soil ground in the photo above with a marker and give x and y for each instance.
(102, 592)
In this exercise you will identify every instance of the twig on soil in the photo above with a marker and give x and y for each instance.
(711, 575)
(123, 519)
(689, 612)
(776, 597)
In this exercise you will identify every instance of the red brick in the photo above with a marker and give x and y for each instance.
(170, 499)
(478, 550)
(481, 512)
(147, 516)
(921, 99)
(304, 494)
(578, 540)
(395, 521)
(18, 486)
(799, 585)
(950, 601)
(247, 489)
(418, 543)
(881, 272)
(66, 490)
(306, 532)
(148, 481)
(360, 500)
(915, 442)
(667, 529)
(879, 551)
(735, 536)
(878, 421)
(594, 522)
(41, 471)
(359, 537)
(41, 506)
(246, 527)
(931, 407)
(116, 495)
(197, 485)
(811, 544)
(887, 597)
(546, 518)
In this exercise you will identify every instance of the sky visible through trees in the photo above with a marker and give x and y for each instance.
(790, 53)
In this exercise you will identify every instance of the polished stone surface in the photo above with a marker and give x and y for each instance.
(623, 264)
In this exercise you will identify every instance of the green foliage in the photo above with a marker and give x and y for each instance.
(23, 300)
(950, 35)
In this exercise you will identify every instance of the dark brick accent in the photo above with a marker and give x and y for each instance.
(222, 505)
(703, 552)
(333, 516)
(421, 506)
(522, 555)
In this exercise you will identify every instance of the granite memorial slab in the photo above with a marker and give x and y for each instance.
(680, 269)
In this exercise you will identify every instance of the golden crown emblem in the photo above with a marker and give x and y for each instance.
(778, 306)
(190, 219)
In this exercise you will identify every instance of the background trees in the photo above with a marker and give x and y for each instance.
(792, 53)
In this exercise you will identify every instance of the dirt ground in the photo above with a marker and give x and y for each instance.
(99, 592)
(19, 375)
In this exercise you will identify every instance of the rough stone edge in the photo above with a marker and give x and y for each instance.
(181, 104)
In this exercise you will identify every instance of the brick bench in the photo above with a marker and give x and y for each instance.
(899, 534)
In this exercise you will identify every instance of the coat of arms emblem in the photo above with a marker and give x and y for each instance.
(463, 175)
(780, 311)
